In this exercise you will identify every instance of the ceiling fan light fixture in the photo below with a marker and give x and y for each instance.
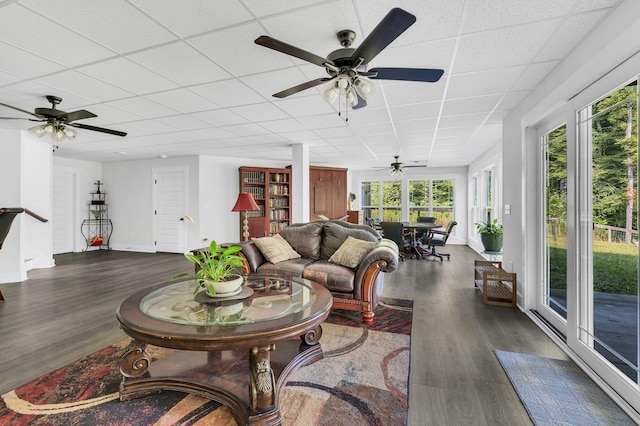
(363, 86)
(330, 93)
(396, 172)
(37, 130)
(48, 128)
(69, 132)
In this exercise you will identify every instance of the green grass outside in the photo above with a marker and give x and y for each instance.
(615, 267)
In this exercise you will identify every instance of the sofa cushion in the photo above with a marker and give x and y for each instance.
(351, 252)
(336, 233)
(305, 239)
(275, 249)
(292, 267)
(334, 277)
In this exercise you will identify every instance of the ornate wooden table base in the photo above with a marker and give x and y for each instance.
(248, 382)
(236, 352)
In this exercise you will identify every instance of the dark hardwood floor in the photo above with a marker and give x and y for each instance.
(61, 314)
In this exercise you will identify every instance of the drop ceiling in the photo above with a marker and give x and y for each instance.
(186, 78)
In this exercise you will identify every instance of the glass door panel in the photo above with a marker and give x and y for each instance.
(613, 292)
(555, 291)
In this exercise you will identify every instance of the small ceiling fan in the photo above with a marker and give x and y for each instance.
(397, 168)
(348, 66)
(56, 122)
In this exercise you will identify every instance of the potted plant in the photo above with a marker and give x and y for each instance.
(216, 269)
(490, 234)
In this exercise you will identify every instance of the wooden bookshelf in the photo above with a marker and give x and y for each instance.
(271, 189)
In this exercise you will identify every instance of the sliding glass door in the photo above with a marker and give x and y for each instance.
(608, 136)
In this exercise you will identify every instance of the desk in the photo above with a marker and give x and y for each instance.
(416, 247)
(237, 352)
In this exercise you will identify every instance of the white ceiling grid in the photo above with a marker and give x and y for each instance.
(190, 80)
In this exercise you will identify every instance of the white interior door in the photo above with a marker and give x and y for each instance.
(63, 216)
(170, 196)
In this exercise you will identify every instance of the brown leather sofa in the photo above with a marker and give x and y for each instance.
(357, 289)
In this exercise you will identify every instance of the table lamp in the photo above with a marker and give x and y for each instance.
(245, 203)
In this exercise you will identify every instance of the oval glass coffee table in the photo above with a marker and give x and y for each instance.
(237, 350)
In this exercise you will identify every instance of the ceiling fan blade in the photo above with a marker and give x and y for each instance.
(407, 74)
(283, 47)
(21, 110)
(300, 87)
(395, 23)
(77, 115)
(415, 165)
(98, 129)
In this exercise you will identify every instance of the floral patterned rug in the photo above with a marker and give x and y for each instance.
(363, 378)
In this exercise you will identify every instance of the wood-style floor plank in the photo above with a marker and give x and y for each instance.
(61, 314)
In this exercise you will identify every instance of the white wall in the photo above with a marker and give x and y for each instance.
(87, 173)
(458, 174)
(213, 185)
(610, 44)
(25, 170)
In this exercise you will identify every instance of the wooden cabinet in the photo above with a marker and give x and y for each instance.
(271, 189)
(327, 192)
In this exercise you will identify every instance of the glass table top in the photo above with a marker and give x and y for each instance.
(273, 297)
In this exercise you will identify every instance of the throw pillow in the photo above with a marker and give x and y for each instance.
(275, 249)
(351, 252)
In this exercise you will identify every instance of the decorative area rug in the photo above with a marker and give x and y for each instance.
(363, 378)
(558, 392)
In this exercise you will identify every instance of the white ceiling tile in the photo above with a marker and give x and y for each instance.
(314, 28)
(482, 15)
(183, 100)
(83, 85)
(220, 117)
(413, 111)
(228, 93)
(194, 16)
(409, 92)
(234, 50)
(248, 129)
(262, 8)
(184, 122)
(180, 63)
(66, 48)
(435, 19)
(114, 24)
(471, 104)
(271, 82)
(502, 48)
(463, 120)
(260, 112)
(301, 106)
(121, 72)
(567, 35)
(281, 126)
(483, 83)
(24, 65)
(534, 74)
(143, 107)
(587, 5)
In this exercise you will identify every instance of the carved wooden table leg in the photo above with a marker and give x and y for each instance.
(312, 337)
(262, 388)
(135, 361)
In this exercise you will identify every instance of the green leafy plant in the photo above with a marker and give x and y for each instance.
(489, 227)
(213, 264)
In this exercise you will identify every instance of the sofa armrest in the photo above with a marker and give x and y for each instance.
(387, 251)
(253, 258)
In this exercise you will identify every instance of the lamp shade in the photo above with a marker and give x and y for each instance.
(245, 203)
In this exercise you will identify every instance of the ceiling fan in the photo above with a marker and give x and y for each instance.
(348, 66)
(56, 122)
(397, 168)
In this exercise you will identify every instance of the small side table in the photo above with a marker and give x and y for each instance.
(498, 286)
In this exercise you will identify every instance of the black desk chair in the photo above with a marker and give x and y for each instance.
(394, 231)
(438, 238)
